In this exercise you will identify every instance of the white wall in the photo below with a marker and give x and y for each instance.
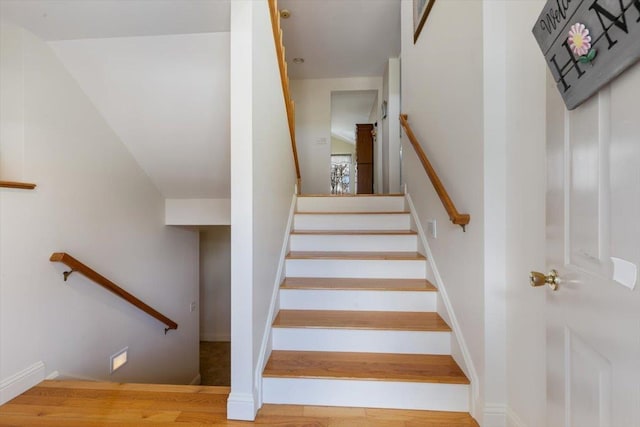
(389, 127)
(167, 98)
(94, 202)
(263, 179)
(495, 137)
(313, 125)
(215, 283)
(514, 215)
(525, 214)
(197, 212)
(442, 92)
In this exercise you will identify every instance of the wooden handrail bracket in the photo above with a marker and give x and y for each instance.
(77, 266)
(18, 185)
(461, 219)
(286, 92)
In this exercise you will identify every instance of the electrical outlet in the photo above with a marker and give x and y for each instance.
(432, 229)
(192, 306)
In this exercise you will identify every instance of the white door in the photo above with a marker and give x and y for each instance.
(593, 241)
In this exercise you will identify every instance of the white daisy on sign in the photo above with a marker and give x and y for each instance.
(579, 39)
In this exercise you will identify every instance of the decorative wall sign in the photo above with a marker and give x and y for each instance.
(421, 9)
(588, 43)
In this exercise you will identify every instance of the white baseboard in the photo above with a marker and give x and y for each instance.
(20, 382)
(501, 416)
(53, 375)
(241, 406)
(274, 306)
(197, 380)
(215, 337)
(513, 420)
(495, 416)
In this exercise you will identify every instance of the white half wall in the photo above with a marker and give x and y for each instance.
(262, 185)
(94, 202)
(313, 127)
(442, 93)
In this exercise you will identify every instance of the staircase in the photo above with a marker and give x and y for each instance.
(357, 324)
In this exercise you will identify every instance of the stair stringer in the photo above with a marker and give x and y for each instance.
(458, 343)
(274, 307)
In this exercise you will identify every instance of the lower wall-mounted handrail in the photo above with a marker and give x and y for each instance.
(86, 271)
(19, 185)
(455, 217)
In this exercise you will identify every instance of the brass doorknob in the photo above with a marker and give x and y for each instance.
(538, 279)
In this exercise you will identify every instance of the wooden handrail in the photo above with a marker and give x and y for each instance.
(455, 217)
(86, 271)
(19, 185)
(284, 79)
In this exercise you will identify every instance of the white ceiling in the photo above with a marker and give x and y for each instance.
(340, 38)
(167, 98)
(82, 19)
(349, 108)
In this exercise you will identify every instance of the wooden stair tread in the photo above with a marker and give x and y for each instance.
(398, 256)
(365, 366)
(376, 320)
(353, 213)
(356, 232)
(358, 284)
(352, 195)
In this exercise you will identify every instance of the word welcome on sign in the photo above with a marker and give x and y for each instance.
(587, 43)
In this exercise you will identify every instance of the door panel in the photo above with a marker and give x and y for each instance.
(593, 237)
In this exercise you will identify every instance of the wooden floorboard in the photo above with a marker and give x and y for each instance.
(365, 366)
(94, 404)
(358, 284)
(378, 256)
(377, 320)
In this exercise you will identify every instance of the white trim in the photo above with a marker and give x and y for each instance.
(495, 415)
(197, 380)
(455, 326)
(265, 348)
(513, 420)
(52, 376)
(215, 337)
(241, 406)
(21, 381)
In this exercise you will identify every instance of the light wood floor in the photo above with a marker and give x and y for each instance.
(91, 404)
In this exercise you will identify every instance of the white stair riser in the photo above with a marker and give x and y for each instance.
(310, 242)
(351, 204)
(368, 394)
(362, 341)
(352, 222)
(383, 269)
(324, 299)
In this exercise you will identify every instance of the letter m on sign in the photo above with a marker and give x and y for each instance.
(614, 27)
